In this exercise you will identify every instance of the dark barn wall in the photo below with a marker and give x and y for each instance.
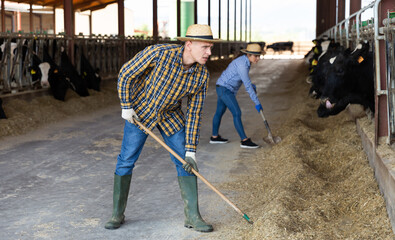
(326, 15)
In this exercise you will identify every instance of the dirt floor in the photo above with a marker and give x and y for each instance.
(315, 184)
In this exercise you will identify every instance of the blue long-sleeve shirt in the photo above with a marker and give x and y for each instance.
(235, 75)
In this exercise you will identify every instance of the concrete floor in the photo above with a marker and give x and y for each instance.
(56, 182)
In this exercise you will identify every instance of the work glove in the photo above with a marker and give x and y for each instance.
(254, 87)
(129, 115)
(258, 108)
(190, 162)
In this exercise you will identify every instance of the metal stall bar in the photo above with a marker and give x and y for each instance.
(330, 32)
(376, 39)
(379, 91)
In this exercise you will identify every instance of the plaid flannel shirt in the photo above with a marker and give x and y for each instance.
(154, 82)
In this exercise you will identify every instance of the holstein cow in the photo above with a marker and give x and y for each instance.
(2, 113)
(281, 46)
(349, 80)
(55, 76)
(320, 48)
(39, 71)
(77, 83)
(89, 74)
(320, 67)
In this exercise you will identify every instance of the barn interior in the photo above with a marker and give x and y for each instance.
(329, 177)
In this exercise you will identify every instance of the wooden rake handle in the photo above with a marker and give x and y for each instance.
(194, 171)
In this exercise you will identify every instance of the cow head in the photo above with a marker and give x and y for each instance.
(44, 67)
(349, 80)
(35, 72)
(333, 88)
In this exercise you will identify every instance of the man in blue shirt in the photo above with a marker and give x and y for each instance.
(227, 86)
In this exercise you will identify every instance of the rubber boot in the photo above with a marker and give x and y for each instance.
(120, 198)
(189, 193)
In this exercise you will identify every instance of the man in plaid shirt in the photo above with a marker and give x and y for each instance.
(151, 86)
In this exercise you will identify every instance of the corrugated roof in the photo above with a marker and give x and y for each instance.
(81, 5)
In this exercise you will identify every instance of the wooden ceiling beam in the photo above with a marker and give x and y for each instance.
(77, 4)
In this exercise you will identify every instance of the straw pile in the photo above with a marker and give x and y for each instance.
(315, 184)
(26, 113)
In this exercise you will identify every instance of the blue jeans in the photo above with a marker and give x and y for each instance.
(227, 99)
(132, 145)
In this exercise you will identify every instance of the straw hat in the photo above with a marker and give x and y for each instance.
(199, 32)
(253, 48)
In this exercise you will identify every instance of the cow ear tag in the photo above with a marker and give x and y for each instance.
(316, 50)
(32, 72)
(314, 62)
(360, 59)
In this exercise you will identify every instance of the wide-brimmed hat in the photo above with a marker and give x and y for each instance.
(253, 48)
(199, 32)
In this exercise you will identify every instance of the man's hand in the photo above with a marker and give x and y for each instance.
(190, 162)
(129, 115)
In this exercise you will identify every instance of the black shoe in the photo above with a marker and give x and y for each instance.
(248, 144)
(218, 139)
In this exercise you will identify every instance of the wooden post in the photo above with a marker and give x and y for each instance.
(209, 12)
(121, 29)
(241, 20)
(31, 18)
(90, 24)
(341, 10)
(2, 16)
(234, 38)
(219, 19)
(227, 22)
(155, 20)
(69, 26)
(245, 20)
(250, 19)
(54, 20)
(196, 12)
(179, 18)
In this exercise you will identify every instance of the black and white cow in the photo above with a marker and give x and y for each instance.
(281, 46)
(77, 83)
(349, 80)
(56, 77)
(90, 75)
(320, 66)
(39, 71)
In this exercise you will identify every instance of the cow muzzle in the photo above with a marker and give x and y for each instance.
(327, 103)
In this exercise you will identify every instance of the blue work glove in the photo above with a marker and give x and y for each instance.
(258, 107)
(190, 162)
(254, 87)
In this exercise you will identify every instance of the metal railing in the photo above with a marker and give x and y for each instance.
(351, 34)
(103, 52)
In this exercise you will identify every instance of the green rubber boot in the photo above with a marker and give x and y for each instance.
(120, 198)
(189, 193)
